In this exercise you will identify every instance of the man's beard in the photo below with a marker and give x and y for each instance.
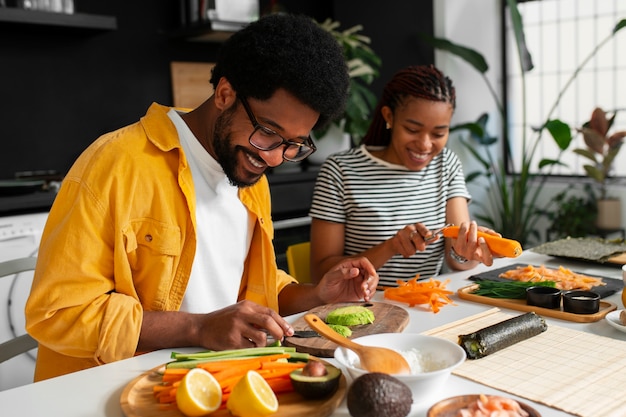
(226, 153)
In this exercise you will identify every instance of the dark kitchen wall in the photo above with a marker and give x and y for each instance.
(61, 89)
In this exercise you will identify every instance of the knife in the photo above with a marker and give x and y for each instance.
(305, 334)
(301, 334)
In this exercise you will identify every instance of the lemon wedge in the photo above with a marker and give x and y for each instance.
(198, 394)
(252, 396)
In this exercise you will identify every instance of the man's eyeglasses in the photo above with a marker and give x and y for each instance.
(265, 139)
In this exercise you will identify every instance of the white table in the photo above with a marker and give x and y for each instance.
(97, 391)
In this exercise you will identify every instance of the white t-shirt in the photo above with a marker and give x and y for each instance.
(224, 230)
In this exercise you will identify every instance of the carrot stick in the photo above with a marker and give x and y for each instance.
(174, 374)
(280, 385)
(282, 365)
(240, 363)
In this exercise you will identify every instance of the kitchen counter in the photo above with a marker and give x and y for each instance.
(97, 391)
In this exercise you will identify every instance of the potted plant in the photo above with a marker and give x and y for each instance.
(601, 150)
(512, 206)
(575, 215)
(363, 68)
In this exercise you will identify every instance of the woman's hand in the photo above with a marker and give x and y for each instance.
(352, 279)
(410, 239)
(471, 247)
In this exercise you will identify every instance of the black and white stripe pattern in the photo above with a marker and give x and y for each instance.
(375, 199)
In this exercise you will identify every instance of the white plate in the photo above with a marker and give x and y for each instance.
(613, 319)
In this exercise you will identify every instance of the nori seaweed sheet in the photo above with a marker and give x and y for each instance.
(589, 249)
(498, 336)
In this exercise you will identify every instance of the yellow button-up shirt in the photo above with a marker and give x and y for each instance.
(120, 239)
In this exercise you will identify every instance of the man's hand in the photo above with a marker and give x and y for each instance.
(242, 325)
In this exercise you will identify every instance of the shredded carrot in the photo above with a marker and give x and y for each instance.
(563, 278)
(412, 292)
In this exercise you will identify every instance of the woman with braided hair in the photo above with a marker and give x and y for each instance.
(383, 199)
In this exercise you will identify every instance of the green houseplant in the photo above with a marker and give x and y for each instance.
(601, 151)
(601, 148)
(574, 216)
(513, 194)
(363, 66)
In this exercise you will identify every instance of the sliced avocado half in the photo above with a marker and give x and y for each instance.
(314, 387)
(350, 316)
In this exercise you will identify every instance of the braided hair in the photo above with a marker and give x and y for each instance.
(419, 81)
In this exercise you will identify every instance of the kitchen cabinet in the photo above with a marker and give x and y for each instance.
(76, 21)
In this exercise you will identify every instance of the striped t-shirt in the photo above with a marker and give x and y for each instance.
(374, 199)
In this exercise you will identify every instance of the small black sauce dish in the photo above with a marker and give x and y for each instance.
(546, 297)
(581, 302)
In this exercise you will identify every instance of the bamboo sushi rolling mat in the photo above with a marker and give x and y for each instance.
(580, 373)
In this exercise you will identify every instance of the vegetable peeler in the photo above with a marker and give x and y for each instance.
(433, 234)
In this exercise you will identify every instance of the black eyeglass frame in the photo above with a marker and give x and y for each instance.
(308, 142)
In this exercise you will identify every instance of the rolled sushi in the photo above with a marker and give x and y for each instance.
(498, 336)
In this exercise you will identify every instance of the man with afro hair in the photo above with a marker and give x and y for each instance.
(161, 234)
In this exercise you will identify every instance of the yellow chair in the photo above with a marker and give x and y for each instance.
(299, 262)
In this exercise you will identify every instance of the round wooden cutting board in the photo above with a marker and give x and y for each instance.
(138, 400)
(388, 318)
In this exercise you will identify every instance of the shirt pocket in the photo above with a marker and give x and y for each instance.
(153, 248)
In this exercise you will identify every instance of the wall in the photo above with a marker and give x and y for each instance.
(476, 24)
(59, 90)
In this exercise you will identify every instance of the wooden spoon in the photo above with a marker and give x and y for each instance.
(373, 359)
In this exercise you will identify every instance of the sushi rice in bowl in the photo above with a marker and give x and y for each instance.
(431, 359)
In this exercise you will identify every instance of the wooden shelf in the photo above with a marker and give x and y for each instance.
(205, 32)
(60, 20)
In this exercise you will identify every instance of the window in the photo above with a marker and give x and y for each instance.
(560, 35)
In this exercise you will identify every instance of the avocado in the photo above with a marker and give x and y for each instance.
(345, 331)
(350, 316)
(377, 394)
(316, 386)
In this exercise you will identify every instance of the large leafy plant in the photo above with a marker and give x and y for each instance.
(363, 69)
(513, 193)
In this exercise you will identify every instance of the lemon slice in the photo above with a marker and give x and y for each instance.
(252, 396)
(198, 394)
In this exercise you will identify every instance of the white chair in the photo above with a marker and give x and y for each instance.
(24, 343)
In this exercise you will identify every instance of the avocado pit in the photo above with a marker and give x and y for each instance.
(316, 380)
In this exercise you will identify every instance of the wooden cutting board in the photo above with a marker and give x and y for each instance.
(137, 400)
(520, 305)
(388, 318)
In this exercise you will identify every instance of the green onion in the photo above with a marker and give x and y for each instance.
(191, 360)
(507, 289)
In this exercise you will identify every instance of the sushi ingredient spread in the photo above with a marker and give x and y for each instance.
(414, 292)
(565, 279)
(227, 368)
(502, 335)
(492, 405)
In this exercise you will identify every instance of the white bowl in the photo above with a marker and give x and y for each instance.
(438, 358)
